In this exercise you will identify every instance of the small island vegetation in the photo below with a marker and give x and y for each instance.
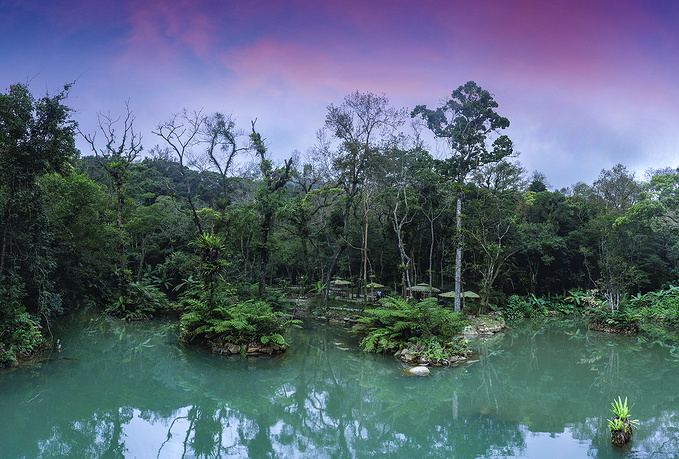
(206, 227)
(621, 424)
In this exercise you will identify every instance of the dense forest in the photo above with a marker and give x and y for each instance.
(206, 219)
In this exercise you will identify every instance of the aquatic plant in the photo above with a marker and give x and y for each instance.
(621, 425)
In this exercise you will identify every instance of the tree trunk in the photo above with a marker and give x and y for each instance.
(431, 255)
(458, 252)
(264, 253)
(365, 251)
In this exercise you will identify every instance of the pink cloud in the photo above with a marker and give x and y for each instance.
(307, 69)
(168, 29)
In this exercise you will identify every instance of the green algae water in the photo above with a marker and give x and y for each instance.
(538, 390)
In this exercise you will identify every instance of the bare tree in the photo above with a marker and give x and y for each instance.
(118, 149)
(182, 134)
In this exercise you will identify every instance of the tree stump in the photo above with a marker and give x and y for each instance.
(621, 436)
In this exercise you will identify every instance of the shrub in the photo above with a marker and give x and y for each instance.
(660, 307)
(20, 334)
(397, 323)
(516, 308)
(139, 301)
(240, 323)
(618, 321)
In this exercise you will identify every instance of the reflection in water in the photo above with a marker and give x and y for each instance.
(538, 390)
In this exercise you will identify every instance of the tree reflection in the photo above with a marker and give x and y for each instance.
(326, 399)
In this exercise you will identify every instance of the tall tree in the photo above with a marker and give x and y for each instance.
(362, 124)
(36, 137)
(273, 180)
(220, 135)
(617, 189)
(467, 122)
(182, 134)
(119, 150)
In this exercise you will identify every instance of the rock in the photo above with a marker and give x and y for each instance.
(419, 371)
(408, 356)
(233, 349)
(267, 349)
(252, 348)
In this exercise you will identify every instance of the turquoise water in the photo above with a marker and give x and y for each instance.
(538, 390)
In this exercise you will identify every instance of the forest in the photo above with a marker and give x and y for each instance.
(207, 223)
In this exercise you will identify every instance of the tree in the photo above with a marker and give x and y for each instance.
(220, 135)
(617, 189)
(308, 196)
(85, 236)
(363, 124)
(119, 151)
(467, 121)
(493, 220)
(182, 133)
(267, 198)
(36, 137)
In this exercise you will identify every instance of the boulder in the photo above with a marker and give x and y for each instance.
(233, 349)
(419, 371)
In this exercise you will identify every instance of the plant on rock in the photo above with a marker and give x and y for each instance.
(217, 317)
(621, 424)
(422, 330)
(248, 325)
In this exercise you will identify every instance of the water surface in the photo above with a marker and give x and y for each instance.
(539, 390)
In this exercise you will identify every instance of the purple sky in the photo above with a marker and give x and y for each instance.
(584, 84)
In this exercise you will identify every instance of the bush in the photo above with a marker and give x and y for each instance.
(660, 307)
(398, 323)
(516, 308)
(618, 321)
(20, 335)
(139, 302)
(240, 323)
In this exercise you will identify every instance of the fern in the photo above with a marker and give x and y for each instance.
(399, 322)
(235, 322)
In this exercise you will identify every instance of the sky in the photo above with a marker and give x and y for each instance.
(585, 84)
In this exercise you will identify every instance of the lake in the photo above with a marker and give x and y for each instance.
(541, 389)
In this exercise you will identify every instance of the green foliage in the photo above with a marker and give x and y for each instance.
(519, 307)
(179, 267)
(399, 322)
(621, 412)
(240, 323)
(20, 334)
(85, 239)
(210, 248)
(36, 138)
(660, 307)
(615, 424)
(139, 301)
(619, 321)
(516, 308)
(437, 352)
